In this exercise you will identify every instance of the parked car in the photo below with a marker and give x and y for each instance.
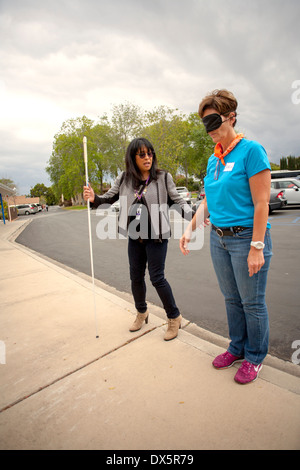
(277, 200)
(291, 187)
(184, 193)
(201, 194)
(196, 205)
(38, 206)
(26, 209)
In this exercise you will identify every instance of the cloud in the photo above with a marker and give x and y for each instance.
(67, 59)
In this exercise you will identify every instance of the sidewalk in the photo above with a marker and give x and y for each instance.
(62, 388)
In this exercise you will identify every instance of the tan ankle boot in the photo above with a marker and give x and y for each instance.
(173, 326)
(139, 320)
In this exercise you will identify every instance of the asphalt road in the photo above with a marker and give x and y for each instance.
(63, 236)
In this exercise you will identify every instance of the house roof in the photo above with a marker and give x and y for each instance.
(6, 190)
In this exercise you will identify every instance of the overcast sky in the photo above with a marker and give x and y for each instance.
(68, 58)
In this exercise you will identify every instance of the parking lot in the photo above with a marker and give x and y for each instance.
(290, 215)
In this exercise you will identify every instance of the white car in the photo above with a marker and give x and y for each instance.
(291, 188)
(38, 206)
(184, 193)
(26, 209)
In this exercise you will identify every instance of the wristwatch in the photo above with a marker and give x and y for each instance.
(258, 245)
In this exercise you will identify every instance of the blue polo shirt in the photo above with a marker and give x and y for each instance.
(229, 198)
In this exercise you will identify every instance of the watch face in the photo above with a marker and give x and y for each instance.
(258, 245)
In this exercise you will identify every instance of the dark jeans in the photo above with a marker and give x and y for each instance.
(155, 254)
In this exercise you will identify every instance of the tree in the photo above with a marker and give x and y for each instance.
(165, 129)
(283, 163)
(39, 190)
(274, 166)
(66, 165)
(200, 146)
(290, 163)
(8, 182)
(180, 142)
(51, 198)
(126, 123)
(47, 195)
(293, 162)
(101, 153)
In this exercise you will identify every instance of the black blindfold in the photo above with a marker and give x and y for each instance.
(212, 122)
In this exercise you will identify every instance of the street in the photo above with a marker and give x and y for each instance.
(63, 236)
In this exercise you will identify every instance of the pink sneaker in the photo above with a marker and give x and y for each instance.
(225, 360)
(247, 373)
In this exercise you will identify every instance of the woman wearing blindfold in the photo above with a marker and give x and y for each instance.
(237, 188)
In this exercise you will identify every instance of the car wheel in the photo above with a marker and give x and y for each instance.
(26, 213)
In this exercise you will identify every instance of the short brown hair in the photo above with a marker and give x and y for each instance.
(223, 101)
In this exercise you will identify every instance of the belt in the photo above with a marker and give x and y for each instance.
(228, 231)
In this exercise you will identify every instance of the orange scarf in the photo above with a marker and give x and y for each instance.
(218, 152)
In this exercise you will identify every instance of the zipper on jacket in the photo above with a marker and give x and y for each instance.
(159, 213)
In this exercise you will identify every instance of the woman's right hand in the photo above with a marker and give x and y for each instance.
(184, 241)
(88, 193)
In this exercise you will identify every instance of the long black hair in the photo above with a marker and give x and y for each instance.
(133, 174)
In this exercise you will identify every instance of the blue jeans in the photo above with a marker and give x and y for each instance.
(153, 253)
(246, 308)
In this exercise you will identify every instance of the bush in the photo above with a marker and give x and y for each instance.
(5, 210)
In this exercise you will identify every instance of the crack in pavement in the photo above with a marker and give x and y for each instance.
(40, 389)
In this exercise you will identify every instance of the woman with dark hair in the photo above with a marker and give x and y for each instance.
(144, 192)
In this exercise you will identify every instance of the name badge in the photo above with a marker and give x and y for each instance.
(229, 166)
(139, 212)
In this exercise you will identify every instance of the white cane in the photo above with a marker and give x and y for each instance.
(90, 231)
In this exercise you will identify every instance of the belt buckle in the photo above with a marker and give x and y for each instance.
(219, 232)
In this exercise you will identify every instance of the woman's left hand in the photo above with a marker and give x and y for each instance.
(255, 260)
